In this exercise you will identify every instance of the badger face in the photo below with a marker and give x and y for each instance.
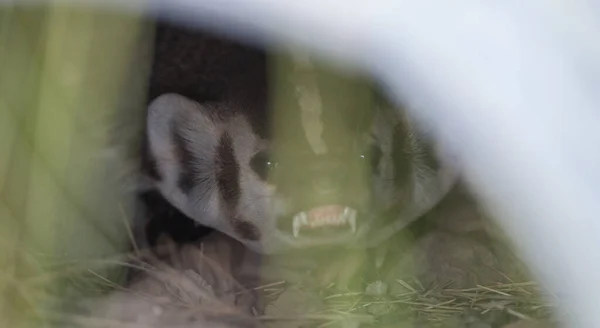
(216, 170)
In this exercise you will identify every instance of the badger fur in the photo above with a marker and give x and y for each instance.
(204, 167)
(207, 152)
(208, 283)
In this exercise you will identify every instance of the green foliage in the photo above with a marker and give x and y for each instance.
(61, 87)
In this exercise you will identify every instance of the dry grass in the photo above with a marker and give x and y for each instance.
(437, 305)
(174, 288)
(184, 294)
(433, 306)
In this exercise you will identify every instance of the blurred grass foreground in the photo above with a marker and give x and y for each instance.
(65, 73)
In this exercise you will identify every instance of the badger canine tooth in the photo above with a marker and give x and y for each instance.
(324, 216)
(352, 220)
(300, 219)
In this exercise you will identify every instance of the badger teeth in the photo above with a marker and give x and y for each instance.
(325, 216)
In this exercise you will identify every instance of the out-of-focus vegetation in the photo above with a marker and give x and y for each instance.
(64, 78)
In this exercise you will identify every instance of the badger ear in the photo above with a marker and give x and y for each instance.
(180, 135)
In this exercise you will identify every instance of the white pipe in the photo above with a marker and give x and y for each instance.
(510, 85)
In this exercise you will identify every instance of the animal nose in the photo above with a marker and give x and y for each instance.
(329, 181)
(325, 184)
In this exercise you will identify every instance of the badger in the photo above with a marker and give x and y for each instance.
(209, 161)
(211, 144)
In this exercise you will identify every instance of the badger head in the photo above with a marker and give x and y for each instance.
(210, 164)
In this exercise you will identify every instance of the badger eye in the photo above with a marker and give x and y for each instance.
(262, 165)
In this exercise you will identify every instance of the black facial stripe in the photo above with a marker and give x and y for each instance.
(376, 155)
(245, 229)
(401, 156)
(228, 172)
(186, 159)
(429, 157)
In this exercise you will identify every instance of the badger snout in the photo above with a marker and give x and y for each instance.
(325, 196)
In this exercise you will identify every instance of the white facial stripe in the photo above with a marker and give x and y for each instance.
(201, 136)
(255, 202)
(309, 98)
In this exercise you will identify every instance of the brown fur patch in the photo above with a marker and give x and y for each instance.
(245, 229)
(401, 153)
